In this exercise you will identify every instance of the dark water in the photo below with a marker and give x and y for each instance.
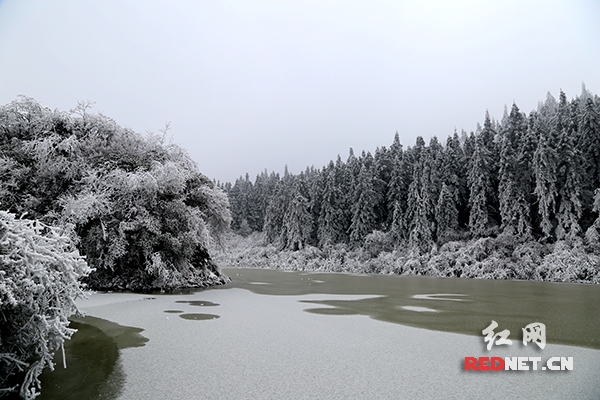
(198, 317)
(199, 303)
(571, 312)
(93, 371)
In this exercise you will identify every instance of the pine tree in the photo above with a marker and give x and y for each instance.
(363, 208)
(446, 214)
(435, 164)
(382, 174)
(418, 216)
(569, 208)
(454, 173)
(548, 114)
(396, 195)
(330, 226)
(527, 147)
(514, 180)
(569, 175)
(404, 203)
(255, 216)
(468, 146)
(480, 188)
(589, 142)
(276, 209)
(545, 164)
(396, 147)
(420, 236)
(316, 189)
(588, 145)
(489, 134)
(297, 220)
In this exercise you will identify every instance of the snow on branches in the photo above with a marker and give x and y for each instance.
(39, 271)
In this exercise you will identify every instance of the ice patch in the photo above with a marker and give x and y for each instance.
(419, 309)
(435, 296)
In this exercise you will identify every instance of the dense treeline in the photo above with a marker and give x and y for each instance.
(532, 177)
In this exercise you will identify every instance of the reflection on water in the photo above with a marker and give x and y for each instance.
(569, 311)
(93, 370)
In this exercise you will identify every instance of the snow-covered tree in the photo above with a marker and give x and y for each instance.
(569, 207)
(446, 214)
(514, 175)
(480, 188)
(545, 165)
(143, 213)
(39, 273)
(396, 193)
(419, 216)
(275, 212)
(589, 140)
(363, 207)
(331, 229)
(297, 220)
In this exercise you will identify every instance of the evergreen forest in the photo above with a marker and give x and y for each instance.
(516, 199)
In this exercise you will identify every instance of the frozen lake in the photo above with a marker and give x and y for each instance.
(293, 335)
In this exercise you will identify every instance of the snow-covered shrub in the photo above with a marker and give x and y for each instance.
(499, 257)
(569, 263)
(39, 271)
(528, 257)
(377, 242)
(441, 265)
(412, 266)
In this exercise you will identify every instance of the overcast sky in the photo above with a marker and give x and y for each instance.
(249, 85)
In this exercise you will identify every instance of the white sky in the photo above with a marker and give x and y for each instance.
(249, 85)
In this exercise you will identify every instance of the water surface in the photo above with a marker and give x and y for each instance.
(571, 312)
(275, 334)
(92, 357)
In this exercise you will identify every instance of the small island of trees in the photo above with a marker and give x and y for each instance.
(85, 200)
